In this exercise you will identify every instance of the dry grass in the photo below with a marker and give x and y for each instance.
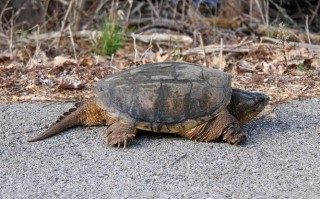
(55, 61)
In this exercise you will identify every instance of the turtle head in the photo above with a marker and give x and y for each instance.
(245, 105)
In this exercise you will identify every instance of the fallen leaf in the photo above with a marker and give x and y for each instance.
(87, 61)
(298, 73)
(60, 60)
(71, 85)
(15, 98)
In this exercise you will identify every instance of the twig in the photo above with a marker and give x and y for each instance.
(4, 9)
(217, 48)
(164, 37)
(154, 9)
(242, 41)
(261, 13)
(11, 37)
(45, 10)
(138, 21)
(220, 55)
(111, 61)
(135, 48)
(163, 23)
(183, 10)
(307, 30)
(282, 36)
(315, 48)
(203, 49)
(137, 8)
(63, 2)
(315, 13)
(294, 34)
(250, 11)
(72, 42)
(129, 11)
(145, 52)
(102, 3)
(63, 23)
(36, 53)
(178, 159)
(78, 16)
(283, 12)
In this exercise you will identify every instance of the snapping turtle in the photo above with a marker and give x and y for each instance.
(173, 97)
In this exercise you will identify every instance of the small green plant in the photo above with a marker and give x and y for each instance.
(177, 53)
(113, 35)
(301, 67)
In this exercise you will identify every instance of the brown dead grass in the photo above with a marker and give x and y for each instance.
(60, 66)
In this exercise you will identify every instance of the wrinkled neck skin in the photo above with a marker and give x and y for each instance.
(245, 105)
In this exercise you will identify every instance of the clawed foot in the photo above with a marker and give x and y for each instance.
(234, 137)
(118, 140)
(118, 135)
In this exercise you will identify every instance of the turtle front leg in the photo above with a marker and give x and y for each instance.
(119, 134)
(233, 135)
(224, 127)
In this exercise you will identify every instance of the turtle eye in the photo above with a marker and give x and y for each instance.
(260, 99)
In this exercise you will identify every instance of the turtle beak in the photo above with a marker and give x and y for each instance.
(263, 100)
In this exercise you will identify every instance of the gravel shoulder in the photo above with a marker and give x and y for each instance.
(280, 160)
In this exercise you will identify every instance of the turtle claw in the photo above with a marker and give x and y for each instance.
(235, 137)
(120, 135)
(119, 141)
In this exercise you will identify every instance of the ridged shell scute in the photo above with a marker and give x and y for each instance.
(165, 97)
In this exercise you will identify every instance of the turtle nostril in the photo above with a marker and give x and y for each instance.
(263, 99)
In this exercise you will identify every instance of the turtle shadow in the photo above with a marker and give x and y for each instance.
(257, 131)
(261, 130)
(149, 135)
(144, 138)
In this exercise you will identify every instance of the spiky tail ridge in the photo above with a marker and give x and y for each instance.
(74, 117)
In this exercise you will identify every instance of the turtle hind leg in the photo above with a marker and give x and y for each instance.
(224, 127)
(119, 134)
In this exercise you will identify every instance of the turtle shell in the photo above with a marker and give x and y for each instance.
(165, 97)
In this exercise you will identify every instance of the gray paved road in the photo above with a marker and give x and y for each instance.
(281, 160)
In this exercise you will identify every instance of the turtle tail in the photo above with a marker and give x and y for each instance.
(74, 117)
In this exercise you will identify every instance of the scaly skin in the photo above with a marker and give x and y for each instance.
(89, 114)
(223, 127)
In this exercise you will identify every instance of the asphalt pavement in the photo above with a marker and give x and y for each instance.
(280, 160)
